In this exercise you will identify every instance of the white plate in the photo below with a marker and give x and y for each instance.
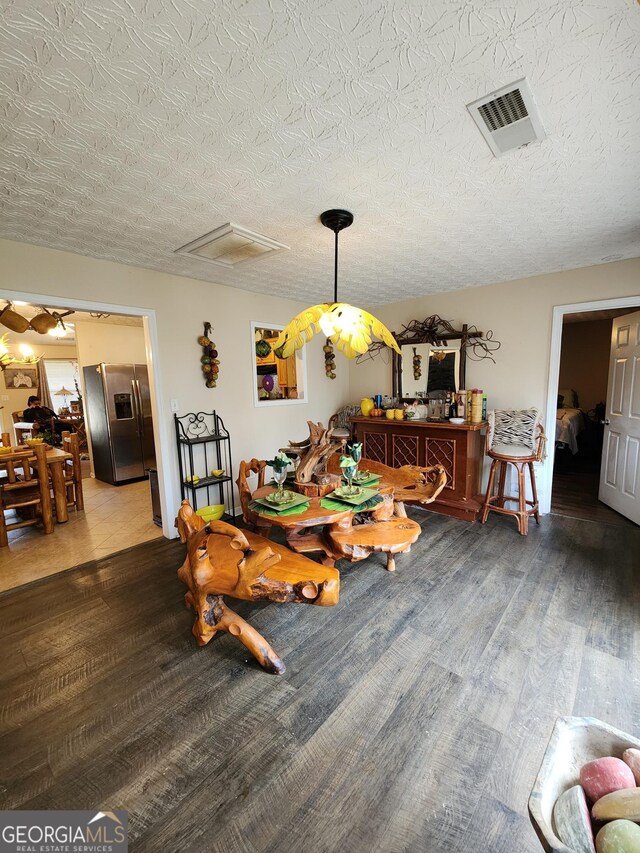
(456, 420)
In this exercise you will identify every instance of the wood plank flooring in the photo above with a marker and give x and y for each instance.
(575, 495)
(412, 717)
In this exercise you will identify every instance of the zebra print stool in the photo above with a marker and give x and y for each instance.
(514, 437)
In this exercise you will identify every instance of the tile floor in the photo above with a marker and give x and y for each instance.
(114, 518)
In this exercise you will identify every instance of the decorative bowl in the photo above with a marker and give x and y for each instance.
(211, 513)
(33, 442)
(217, 472)
(456, 420)
(5, 449)
(346, 492)
(286, 498)
(573, 742)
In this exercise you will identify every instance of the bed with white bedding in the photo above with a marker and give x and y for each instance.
(569, 425)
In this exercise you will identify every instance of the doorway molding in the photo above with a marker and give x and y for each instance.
(163, 444)
(559, 312)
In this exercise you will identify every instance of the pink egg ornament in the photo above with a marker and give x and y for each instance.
(604, 775)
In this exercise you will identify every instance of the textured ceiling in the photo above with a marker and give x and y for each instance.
(128, 128)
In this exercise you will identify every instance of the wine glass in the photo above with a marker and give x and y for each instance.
(349, 472)
(279, 475)
(355, 451)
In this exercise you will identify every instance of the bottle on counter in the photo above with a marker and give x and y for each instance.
(462, 404)
(484, 407)
(452, 408)
(476, 406)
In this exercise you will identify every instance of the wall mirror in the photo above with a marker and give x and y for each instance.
(426, 370)
(434, 357)
(276, 381)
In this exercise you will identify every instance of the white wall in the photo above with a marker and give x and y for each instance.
(520, 315)
(181, 305)
(109, 342)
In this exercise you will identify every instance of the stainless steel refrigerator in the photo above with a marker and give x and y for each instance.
(118, 413)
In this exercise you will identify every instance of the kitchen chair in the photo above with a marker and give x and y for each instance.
(73, 471)
(255, 466)
(25, 489)
(514, 437)
(23, 432)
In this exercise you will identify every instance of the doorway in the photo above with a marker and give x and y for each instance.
(115, 517)
(573, 425)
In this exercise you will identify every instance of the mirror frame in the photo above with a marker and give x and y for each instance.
(403, 340)
(301, 370)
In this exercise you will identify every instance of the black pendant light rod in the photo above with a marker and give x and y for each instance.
(335, 273)
(336, 220)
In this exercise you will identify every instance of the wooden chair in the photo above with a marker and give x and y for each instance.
(340, 423)
(25, 489)
(23, 432)
(514, 437)
(73, 471)
(258, 467)
(222, 560)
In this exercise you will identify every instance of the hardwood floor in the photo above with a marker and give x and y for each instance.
(575, 495)
(412, 717)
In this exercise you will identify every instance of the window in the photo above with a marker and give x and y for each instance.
(275, 380)
(62, 374)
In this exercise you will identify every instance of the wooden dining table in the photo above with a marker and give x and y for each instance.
(55, 462)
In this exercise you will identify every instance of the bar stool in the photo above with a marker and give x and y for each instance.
(515, 437)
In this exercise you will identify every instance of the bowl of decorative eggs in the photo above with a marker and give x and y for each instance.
(587, 796)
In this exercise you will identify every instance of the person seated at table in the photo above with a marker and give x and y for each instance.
(44, 417)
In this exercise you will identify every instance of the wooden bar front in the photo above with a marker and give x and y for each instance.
(458, 447)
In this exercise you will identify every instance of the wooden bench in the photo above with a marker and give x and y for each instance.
(223, 560)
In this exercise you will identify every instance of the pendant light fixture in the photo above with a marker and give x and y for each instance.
(349, 328)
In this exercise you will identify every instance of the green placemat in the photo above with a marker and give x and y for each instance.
(332, 503)
(371, 480)
(263, 510)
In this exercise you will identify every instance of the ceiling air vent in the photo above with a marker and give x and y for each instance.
(231, 245)
(508, 118)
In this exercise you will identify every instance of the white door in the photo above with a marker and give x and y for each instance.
(620, 470)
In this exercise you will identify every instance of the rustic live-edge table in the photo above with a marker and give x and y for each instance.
(324, 527)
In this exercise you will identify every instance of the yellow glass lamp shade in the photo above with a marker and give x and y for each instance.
(350, 329)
